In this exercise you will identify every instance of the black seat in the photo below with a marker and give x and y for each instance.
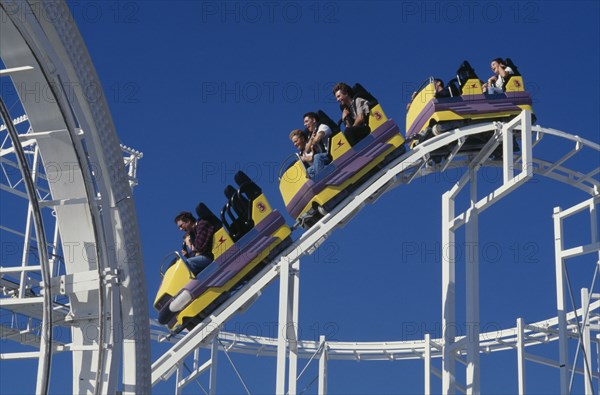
(360, 91)
(237, 212)
(228, 218)
(324, 118)
(247, 187)
(335, 129)
(452, 88)
(203, 212)
(510, 64)
(464, 73)
(247, 192)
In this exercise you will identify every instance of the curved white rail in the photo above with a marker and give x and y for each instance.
(413, 164)
(90, 196)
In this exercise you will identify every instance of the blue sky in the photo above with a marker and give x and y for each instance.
(205, 88)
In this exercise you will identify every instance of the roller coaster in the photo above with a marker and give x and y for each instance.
(252, 246)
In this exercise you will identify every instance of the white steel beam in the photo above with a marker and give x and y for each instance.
(587, 344)
(521, 355)
(541, 332)
(561, 303)
(214, 354)
(598, 357)
(282, 328)
(178, 375)
(12, 70)
(322, 390)
(28, 226)
(507, 154)
(580, 250)
(165, 365)
(20, 355)
(292, 327)
(567, 156)
(427, 364)
(7, 302)
(13, 191)
(19, 269)
(448, 295)
(472, 289)
(182, 382)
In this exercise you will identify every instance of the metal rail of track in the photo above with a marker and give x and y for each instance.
(498, 340)
(403, 170)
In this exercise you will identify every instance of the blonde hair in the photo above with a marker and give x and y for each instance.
(297, 132)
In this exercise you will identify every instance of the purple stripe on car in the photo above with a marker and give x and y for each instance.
(470, 105)
(240, 256)
(347, 166)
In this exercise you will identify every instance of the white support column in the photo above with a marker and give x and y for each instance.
(594, 233)
(178, 377)
(448, 295)
(526, 144)
(598, 356)
(594, 239)
(508, 171)
(561, 304)
(292, 327)
(28, 227)
(214, 354)
(284, 286)
(323, 367)
(427, 363)
(472, 289)
(587, 343)
(521, 355)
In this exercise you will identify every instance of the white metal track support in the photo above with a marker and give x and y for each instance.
(284, 317)
(521, 355)
(472, 289)
(449, 279)
(214, 353)
(561, 255)
(448, 295)
(587, 343)
(45, 360)
(427, 364)
(323, 367)
(28, 225)
(292, 327)
(598, 356)
(450, 223)
(178, 378)
(397, 173)
(563, 350)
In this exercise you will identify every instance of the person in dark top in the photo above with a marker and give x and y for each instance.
(355, 113)
(197, 245)
(440, 90)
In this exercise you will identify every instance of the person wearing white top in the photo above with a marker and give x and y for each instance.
(318, 135)
(495, 83)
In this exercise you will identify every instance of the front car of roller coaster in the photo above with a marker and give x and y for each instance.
(72, 276)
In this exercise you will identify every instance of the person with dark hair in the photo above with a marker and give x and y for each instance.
(355, 113)
(495, 83)
(318, 135)
(440, 91)
(197, 244)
